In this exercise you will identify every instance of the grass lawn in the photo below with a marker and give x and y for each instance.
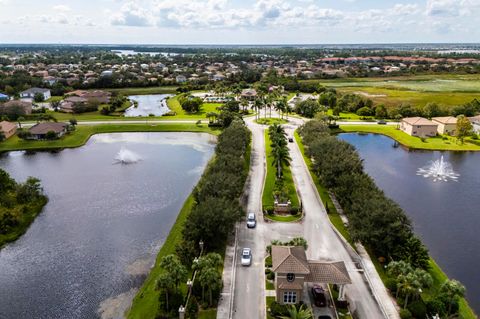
(269, 285)
(207, 314)
(145, 302)
(82, 133)
(284, 219)
(175, 106)
(268, 302)
(270, 177)
(351, 116)
(270, 121)
(322, 191)
(434, 143)
(146, 90)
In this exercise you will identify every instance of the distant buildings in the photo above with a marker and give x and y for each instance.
(30, 93)
(8, 129)
(418, 126)
(180, 79)
(475, 123)
(446, 125)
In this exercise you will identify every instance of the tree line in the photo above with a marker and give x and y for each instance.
(19, 204)
(215, 211)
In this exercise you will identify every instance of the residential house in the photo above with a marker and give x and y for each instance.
(418, 126)
(293, 270)
(475, 120)
(8, 129)
(249, 94)
(30, 93)
(103, 97)
(447, 125)
(39, 131)
(180, 79)
(68, 105)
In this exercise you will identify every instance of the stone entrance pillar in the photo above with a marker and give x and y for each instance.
(341, 293)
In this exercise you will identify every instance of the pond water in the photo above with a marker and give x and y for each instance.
(99, 234)
(445, 214)
(155, 104)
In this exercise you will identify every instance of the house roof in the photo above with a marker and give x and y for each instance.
(7, 126)
(249, 92)
(35, 91)
(289, 260)
(44, 128)
(328, 272)
(418, 121)
(445, 120)
(23, 104)
(475, 119)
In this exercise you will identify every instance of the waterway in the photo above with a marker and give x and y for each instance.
(148, 105)
(96, 239)
(445, 215)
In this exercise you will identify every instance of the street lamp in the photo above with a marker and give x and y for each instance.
(189, 285)
(201, 243)
(195, 260)
(181, 312)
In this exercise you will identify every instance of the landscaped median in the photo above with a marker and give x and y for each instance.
(271, 187)
(441, 143)
(83, 132)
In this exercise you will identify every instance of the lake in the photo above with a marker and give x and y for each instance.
(155, 104)
(96, 239)
(445, 215)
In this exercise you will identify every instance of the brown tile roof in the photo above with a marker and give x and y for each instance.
(7, 126)
(328, 272)
(289, 260)
(445, 120)
(418, 121)
(44, 128)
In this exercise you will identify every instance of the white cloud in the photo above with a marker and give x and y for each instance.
(131, 14)
(62, 8)
(451, 8)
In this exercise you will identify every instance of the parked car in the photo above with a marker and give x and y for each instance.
(319, 296)
(251, 221)
(290, 139)
(382, 122)
(246, 257)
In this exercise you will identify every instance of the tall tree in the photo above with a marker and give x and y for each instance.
(210, 279)
(451, 291)
(165, 283)
(174, 268)
(464, 128)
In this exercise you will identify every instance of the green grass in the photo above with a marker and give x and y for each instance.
(82, 133)
(322, 191)
(146, 303)
(175, 106)
(207, 314)
(270, 178)
(269, 285)
(434, 143)
(146, 90)
(270, 121)
(54, 99)
(284, 219)
(268, 302)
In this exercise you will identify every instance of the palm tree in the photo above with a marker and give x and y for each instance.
(452, 290)
(301, 313)
(258, 104)
(165, 283)
(174, 269)
(211, 279)
(19, 120)
(281, 157)
(244, 104)
(281, 106)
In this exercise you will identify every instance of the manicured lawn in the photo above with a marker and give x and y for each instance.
(270, 177)
(269, 285)
(175, 106)
(284, 219)
(435, 143)
(268, 302)
(146, 90)
(322, 191)
(146, 302)
(82, 133)
(207, 314)
(270, 121)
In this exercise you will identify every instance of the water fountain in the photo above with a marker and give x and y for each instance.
(125, 156)
(439, 170)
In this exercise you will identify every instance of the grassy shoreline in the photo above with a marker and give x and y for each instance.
(465, 311)
(431, 144)
(83, 133)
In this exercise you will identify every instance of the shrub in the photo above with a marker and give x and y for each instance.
(294, 210)
(268, 261)
(418, 309)
(271, 276)
(391, 284)
(277, 310)
(191, 312)
(267, 271)
(405, 314)
(269, 210)
(435, 306)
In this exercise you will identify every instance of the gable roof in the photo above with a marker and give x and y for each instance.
(328, 272)
(7, 126)
(445, 120)
(35, 91)
(289, 260)
(418, 121)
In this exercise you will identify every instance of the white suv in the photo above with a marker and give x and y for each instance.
(246, 257)
(251, 221)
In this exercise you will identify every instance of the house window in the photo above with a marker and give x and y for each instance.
(289, 297)
(290, 277)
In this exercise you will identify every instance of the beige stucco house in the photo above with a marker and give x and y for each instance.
(8, 128)
(446, 125)
(292, 270)
(475, 120)
(418, 126)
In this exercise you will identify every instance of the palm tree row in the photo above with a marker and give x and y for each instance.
(280, 153)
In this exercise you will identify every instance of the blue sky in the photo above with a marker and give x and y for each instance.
(239, 22)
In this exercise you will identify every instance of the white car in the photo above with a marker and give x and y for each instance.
(246, 257)
(251, 221)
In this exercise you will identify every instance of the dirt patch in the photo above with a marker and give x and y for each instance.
(372, 96)
(115, 307)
